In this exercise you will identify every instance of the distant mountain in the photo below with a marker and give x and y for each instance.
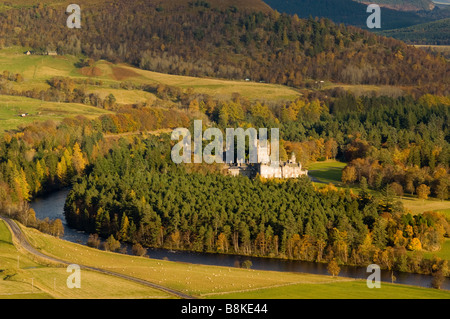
(402, 5)
(432, 33)
(348, 12)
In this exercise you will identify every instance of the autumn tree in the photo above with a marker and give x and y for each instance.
(349, 175)
(331, 149)
(124, 227)
(138, 250)
(57, 228)
(78, 160)
(333, 268)
(439, 271)
(112, 244)
(93, 241)
(423, 191)
(61, 171)
(414, 244)
(222, 243)
(194, 105)
(442, 188)
(247, 264)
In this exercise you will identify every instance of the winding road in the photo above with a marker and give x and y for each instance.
(25, 244)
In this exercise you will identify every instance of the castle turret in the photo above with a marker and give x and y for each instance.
(264, 152)
(293, 158)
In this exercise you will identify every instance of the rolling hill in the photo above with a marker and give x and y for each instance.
(403, 5)
(123, 81)
(38, 69)
(431, 33)
(227, 40)
(348, 12)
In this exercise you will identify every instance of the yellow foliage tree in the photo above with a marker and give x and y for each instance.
(222, 243)
(21, 185)
(194, 105)
(78, 160)
(176, 237)
(124, 225)
(399, 240)
(414, 244)
(423, 191)
(349, 174)
(61, 170)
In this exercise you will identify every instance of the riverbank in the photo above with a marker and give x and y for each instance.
(53, 207)
(206, 281)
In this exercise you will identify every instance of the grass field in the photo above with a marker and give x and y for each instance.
(331, 172)
(36, 280)
(417, 206)
(224, 282)
(353, 289)
(443, 253)
(439, 48)
(327, 171)
(37, 69)
(218, 87)
(11, 107)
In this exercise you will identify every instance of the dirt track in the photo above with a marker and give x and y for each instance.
(23, 242)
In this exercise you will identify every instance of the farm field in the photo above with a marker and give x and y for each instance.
(37, 69)
(218, 87)
(12, 107)
(37, 280)
(352, 289)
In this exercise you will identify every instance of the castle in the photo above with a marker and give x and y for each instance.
(266, 169)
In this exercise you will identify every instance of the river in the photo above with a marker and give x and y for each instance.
(52, 206)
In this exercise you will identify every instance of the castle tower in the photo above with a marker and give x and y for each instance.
(293, 158)
(264, 152)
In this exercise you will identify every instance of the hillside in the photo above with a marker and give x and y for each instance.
(204, 41)
(431, 33)
(167, 4)
(38, 69)
(402, 5)
(348, 12)
(126, 83)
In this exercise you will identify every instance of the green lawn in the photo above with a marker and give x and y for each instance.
(327, 171)
(417, 206)
(445, 212)
(354, 289)
(443, 253)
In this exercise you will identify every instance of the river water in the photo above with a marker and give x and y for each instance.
(52, 206)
